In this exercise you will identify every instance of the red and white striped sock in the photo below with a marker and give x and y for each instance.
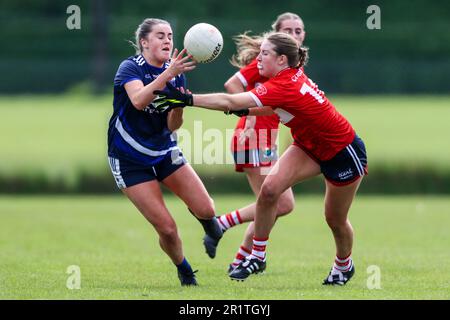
(240, 256)
(342, 264)
(226, 221)
(259, 248)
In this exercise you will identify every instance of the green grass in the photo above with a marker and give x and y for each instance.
(119, 256)
(61, 135)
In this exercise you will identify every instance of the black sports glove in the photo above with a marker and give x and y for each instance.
(239, 113)
(171, 98)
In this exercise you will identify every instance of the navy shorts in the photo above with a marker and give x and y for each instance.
(127, 173)
(347, 165)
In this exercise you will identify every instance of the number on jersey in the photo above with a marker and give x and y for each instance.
(314, 91)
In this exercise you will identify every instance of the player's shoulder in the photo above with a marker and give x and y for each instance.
(133, 61)
(282, 82)
(295, 75)
(253, 64)
(250, 68)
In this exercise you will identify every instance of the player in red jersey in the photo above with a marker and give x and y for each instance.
(254, 141)
(324, 142)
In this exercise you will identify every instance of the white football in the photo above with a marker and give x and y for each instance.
(204, 42)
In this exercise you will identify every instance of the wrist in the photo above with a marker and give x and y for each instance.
(189, 99)
(170, 74)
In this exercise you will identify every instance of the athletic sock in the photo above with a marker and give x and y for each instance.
(211, 226)
(229, 220)
(184, 267)
(342, 264)
(240, 256)
(259, 248)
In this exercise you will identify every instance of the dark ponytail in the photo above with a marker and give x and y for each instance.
(303, 56)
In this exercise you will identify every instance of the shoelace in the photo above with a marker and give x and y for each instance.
(189, 274)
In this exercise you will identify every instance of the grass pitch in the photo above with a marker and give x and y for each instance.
(60, 135)
(119, 256)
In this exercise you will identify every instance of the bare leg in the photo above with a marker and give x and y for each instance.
(147, 197)
(293, 166)
(284, 206)
(186, 184)
(338, 200)
(255, 180)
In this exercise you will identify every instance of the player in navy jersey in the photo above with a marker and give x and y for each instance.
(142, 146)
(324, 143)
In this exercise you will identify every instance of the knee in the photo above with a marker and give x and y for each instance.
(285, 205)
(206, 210)
(335, 223)
(268, 193)
(168, 232)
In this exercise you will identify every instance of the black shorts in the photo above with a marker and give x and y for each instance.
(347, 165)
(127, 173)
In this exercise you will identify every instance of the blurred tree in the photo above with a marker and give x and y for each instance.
(412, 43)
(100, 30)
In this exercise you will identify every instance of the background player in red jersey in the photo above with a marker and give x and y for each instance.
(254, 141)
(324, 142)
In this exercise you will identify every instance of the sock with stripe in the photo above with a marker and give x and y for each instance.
(342, 264)
(229, 220)
(259, 248)
(241, 255)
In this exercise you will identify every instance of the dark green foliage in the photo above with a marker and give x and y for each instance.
(409, 53)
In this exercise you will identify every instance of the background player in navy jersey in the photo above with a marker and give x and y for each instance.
(324, 142)
(142, 148)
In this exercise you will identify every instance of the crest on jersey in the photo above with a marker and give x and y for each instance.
(261, 90)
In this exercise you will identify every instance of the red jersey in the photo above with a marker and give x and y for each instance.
(315, 123)
(250, 78)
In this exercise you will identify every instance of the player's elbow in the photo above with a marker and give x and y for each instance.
(234, 103)
(233, 85)
(175, 119)
(138, 104)
(228, 85)
(138, 101)
(175, 125)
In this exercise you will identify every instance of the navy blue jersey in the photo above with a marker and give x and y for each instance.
(140, 136)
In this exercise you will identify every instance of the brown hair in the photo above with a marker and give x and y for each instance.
(285, 44)
(247, 47)
(284, 16)
(143, 30)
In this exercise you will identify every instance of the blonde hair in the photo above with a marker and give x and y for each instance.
(247, 47)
